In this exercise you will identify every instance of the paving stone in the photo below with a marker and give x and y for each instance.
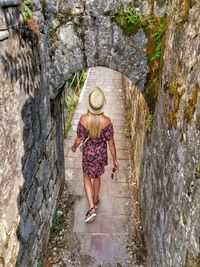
(119, 189)
(73, 174)
(76, 187)
(69, 162)
(120, 205)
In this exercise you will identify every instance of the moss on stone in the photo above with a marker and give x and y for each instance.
(151, 27)
(185, 9)
(175, 95)
(154, 28)
(192, 260)
(127, 20)
(128, 29)
(191, 105)
(183, 217)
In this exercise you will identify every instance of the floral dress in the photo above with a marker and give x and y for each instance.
(95, 150)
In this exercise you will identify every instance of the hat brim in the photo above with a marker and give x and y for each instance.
(96, 112)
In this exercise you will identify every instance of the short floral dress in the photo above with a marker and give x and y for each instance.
(95, 156)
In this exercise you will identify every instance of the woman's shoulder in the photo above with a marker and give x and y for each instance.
(107, 120)
(83, 119)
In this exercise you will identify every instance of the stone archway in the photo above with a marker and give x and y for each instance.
(89, 38)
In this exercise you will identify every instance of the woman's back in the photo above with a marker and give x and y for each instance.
(94, 123)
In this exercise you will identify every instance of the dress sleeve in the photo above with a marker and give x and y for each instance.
(109, 133)
(80, 131)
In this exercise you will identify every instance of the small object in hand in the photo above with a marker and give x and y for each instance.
(112, 174)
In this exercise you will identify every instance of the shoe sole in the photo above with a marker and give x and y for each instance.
(91, 218)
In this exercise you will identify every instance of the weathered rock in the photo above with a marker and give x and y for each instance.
(8, 3)
(170, 192)
(4, 35)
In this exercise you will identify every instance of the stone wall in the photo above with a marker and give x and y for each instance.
(30, 143)
(170, 184)
(136, 114)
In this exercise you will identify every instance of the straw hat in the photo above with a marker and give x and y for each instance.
(96, 101)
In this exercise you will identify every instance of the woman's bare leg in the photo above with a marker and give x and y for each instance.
(96, 188)
(88, 190)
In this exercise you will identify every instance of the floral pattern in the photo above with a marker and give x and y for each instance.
(95, 156)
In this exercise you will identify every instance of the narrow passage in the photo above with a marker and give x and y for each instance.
(107, 240)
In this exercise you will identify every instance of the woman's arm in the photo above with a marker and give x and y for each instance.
(76, 144)
(112, 148)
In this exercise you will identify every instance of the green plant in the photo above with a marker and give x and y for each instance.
(71, 102)
(26, 9)
(132, 16)
(40, 264)
(149, 123)
(58, 222)
(157, 36)
(128, 20)
(51, 27)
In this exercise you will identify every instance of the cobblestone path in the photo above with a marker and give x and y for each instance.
(107, 240)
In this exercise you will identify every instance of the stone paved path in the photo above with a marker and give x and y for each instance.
(105, 239)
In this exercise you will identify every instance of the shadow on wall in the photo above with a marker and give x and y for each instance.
(43, 172)
(23, 67)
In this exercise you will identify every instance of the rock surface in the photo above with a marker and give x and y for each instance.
(170, 185)
(31, 171)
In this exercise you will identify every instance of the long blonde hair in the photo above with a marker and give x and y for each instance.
(94, 124)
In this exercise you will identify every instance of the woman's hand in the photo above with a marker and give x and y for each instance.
(116, 165)
(73, 148)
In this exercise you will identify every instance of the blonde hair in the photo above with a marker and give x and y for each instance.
(94, 124)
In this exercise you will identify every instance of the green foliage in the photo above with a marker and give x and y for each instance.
(128, 20)
(132, 16)
(157, 36)
(149, 123)
(58, 222)
(51, 27)
(26, 9)
(71, 100)
(40, 264)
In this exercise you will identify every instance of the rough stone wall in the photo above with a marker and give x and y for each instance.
(170, 184)
(31, 158)
(136, 113)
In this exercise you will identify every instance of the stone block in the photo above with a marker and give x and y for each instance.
(8, 3)
(4, 34)
(39, 196)
(26, 227)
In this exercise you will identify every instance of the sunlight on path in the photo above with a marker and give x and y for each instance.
(106, 238)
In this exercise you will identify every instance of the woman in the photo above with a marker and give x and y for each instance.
(95, 130)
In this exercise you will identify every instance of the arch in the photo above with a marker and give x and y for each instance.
(91, 39)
